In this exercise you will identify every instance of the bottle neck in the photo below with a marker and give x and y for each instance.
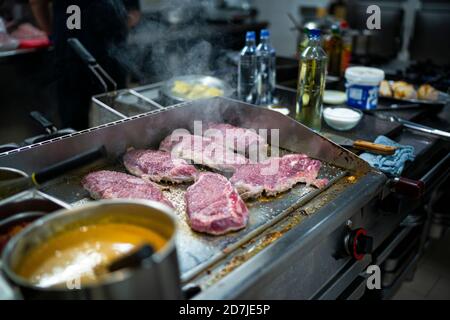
(265, 41)
(250, 42)
(314, 41)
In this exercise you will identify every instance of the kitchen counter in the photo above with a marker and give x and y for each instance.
(16, 52)
(301, 256)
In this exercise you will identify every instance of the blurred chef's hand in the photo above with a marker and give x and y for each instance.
(134, 16)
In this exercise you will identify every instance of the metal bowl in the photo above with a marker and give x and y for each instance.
(16, 223)
(156, 278)
(9, 174)
(16, 213)
(192, 80)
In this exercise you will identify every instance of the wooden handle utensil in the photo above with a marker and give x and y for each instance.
(373, 147)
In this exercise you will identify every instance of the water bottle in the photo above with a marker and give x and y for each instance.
(266, 69)
(247, 72)
(311, 83)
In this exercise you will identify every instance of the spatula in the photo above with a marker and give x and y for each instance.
(361, 145)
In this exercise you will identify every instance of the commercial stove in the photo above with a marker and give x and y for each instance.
(309, 245)
(305, 255)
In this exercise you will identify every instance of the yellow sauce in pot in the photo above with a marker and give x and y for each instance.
(74, 257)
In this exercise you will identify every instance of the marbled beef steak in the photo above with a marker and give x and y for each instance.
(276, 175)
(158, 166)
(214, 206)
(173, 139)
(116, 185)
(203, 151)
(241, 140)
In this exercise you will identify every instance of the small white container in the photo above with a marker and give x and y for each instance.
(341, 118)
(362, 85)
(334, 97)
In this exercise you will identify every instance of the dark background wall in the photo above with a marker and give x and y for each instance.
(26, 84)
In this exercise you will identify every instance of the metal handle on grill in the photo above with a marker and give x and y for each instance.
(408, 187)
(81, 51)
(68, 164)
(92, 64)
(43, 121)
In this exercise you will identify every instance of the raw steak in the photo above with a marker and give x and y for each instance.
(173, 139)
(214, 206)
(158, 166)
(204, 151)
(277, 175)
(241, 140)
(111, 185)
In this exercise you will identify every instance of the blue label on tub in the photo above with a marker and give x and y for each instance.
(362, 97)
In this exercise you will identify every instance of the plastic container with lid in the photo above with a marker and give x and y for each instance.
(362, 84)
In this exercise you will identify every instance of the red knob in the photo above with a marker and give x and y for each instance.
(358, 244)
(410, 188)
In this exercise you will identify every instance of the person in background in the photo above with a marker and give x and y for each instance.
(104, 30)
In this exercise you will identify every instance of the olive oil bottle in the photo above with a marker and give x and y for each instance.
(311, 83)
(333, 47)
(304, 41)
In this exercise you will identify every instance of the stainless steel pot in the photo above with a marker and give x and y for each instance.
(11, 173)
(156, 278)
(8, 174)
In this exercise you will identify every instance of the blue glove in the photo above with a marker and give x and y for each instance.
(392, 164)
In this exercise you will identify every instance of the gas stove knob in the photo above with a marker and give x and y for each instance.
(358, 243)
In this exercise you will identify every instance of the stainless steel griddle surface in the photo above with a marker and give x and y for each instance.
(197, 251)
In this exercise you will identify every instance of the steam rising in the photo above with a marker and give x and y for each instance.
(158, 50)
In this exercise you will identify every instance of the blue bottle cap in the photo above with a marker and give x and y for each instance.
(315, 33)
(250, 35)
(264, 33)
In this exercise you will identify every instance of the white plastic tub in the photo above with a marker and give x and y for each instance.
(362, 85)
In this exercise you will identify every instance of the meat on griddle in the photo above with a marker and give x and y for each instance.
(277, 175)
(242, 140)
(214, 206)
(106, 184)
(203, 151)
(173, 139)
(158, 166)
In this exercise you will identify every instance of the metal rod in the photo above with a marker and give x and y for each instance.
(140, 96)
(422, 128)
(99, 78)
(107, 76)
(104, 105)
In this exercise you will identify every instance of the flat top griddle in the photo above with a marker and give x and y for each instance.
(197, 251)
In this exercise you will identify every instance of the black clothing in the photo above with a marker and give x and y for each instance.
(103, 32)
